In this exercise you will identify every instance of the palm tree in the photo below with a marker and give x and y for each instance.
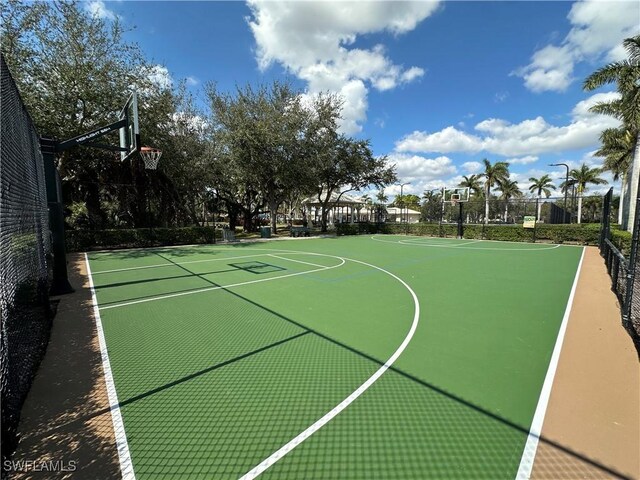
(539, 186)
(472, 182)
(496, 173)
(508, 189)
(626, 75)
(380, 208)
(366, 200)
(617, 149)
(584, 176)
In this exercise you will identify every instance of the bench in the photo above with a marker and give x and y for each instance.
(300, 232)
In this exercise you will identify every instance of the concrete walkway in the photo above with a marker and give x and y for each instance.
(592, 425)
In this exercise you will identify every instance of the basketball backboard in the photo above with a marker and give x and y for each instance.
(458, 194)
(130, 132)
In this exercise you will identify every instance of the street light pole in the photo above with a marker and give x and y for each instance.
(566, 187)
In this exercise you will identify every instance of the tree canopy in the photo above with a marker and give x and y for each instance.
(246, 152)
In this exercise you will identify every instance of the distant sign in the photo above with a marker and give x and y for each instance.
(529, 221)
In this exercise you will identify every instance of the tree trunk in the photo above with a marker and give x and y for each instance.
(580, 208)
(538, 207)
(486, 206)
(273, 207)
(506, 212)
(623, 192)
(323, 221)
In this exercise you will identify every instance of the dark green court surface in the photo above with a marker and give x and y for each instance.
(221, 355)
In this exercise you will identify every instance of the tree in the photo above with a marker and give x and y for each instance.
(263, 131)
(473, 183)
(75, 71)
(496, 173)
(626, 75)
(508, 189)
(340, 164)
(407, 201)
(349, 165)
(431, 208)
(381, 208)
(583, 176)
(538, 187)
(617, 148)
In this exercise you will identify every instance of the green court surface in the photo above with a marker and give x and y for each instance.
(428, 355)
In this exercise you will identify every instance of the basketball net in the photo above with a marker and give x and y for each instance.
(150, 157)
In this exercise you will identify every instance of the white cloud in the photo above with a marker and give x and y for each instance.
(447, 140)
(528, 138)
(522, 160)
(160, 76)
(312, 40)
(598, 29)
(97, 8)
(472, 167)
(412, 168)
(192, 81)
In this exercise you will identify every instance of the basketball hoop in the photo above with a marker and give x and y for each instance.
(150, 157)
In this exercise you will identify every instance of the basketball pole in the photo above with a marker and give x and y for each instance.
(460, 229)
(50, 147)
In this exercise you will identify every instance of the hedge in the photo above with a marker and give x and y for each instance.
(584, 234)
(83, 240)
(622, 240)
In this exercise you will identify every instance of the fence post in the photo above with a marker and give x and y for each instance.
(606, 213)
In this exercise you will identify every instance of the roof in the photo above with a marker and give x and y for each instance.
(403, 211)
(344, 200)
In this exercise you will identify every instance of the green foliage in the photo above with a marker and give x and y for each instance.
(75, 71)
(622, 240)
(407, 201)
(83, 240)
(585, 234)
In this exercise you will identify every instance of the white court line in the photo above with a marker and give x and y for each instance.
(298, 261)
(463, 246)
(529, 452)
(126, 466)
(416, 241)
(301, 437)
(210, 289)
(177, 263)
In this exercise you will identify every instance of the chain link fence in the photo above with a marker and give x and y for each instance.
(24, 257)
(624, 281)
(552, 210)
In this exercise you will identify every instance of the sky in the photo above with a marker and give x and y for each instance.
(435, 86)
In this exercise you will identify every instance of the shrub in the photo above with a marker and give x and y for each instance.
(82, 240)
(622, 240)
(585, 234)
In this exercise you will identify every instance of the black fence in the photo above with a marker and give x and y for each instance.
(24, 257)
(624, 281)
